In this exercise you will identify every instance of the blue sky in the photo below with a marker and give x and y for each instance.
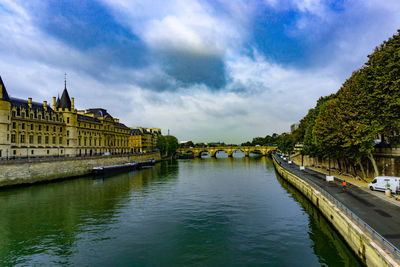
(207, 70)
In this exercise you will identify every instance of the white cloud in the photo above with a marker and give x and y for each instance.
(178, 24)
(260, 97)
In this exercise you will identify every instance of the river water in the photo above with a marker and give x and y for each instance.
(224, 211)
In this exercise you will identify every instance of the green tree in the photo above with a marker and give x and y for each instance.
(286, 143)
(167, 144)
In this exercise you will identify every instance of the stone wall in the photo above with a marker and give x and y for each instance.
(27, 172)
(367, 249)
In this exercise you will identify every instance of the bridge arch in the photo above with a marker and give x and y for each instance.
(215, 151)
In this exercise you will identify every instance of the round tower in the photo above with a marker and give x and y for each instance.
(5, 108)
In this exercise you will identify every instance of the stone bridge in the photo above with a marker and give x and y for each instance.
(263, 150)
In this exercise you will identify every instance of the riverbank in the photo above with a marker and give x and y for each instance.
(33, 171)
(352, 213)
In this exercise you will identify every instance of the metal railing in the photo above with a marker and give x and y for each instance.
(384, 243)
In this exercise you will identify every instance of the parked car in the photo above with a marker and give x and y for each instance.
(381, 183)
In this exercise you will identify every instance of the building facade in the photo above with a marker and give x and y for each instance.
(31, 129)
(143, 139)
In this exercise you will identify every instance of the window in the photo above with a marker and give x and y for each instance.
(60, 140)
(39, 127)
(54, 140)
(60, 129)
(79, 141)
(23, 126)
(31, 127)
(13, 138)
(14, 152)
(67, 133)
(31, 139)
(68, 120)
(48, 151)
(32, 152)
(46, 139)
(23, 114)
(67, 142)
(47, 128)
(39, 139)
(22, 139)
(13, 114)
(40, 117)
(54, 128)
(14, 125)
(31, 117)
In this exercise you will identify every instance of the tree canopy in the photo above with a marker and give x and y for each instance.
(345, 125)
(167, 144)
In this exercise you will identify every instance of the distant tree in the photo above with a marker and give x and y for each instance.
(286, 143)
(186, 144)
(167, 144)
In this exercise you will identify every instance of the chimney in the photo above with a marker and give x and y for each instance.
(45, 105)
(72, 104)
(54, 102)
(30, 102)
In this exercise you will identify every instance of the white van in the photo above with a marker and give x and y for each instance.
(382, 182)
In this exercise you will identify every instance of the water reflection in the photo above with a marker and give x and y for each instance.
(214, 211)
(49, 219)
(327, 244)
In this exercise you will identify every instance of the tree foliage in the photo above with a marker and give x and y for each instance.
(344, 125)
(167, 144)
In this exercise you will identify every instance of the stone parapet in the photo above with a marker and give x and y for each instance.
(367, 249)
(41, 170)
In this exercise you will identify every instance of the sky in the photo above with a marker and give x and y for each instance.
(206, 70)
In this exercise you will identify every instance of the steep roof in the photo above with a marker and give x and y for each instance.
(120, 125)
(98, 112)
(87, 118)
(22, 103)
(65, 101)
(4, 91)
(58, 101)
(135, 132)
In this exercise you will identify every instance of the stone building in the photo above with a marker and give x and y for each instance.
(31, 129)
(143, 139)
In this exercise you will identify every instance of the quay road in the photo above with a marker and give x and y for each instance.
(382, 216)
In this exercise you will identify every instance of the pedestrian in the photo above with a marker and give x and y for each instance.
(344, 184)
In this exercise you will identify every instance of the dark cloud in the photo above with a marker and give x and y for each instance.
(194, 68)
(88, 26)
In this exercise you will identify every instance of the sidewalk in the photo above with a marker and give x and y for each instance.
(359, 183)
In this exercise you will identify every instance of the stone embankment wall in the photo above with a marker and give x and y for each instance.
(363, 245)
(27, 172)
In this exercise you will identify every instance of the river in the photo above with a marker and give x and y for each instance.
(224, 211)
